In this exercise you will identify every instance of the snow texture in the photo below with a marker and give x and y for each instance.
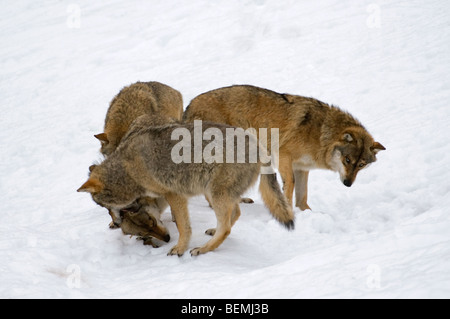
(386, 62)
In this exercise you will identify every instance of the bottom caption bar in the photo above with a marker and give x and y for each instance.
(228, 308)
(222, 309)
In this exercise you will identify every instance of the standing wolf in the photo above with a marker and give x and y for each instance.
(312, 134)
(141, 98)
(144, 165)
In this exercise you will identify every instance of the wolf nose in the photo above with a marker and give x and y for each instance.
(167, 238)
(347, 183)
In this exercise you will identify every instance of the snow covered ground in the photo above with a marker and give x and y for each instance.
(387, 62)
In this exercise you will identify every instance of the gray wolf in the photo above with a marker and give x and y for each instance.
(141, 98)
(312, 134)
(143, 165)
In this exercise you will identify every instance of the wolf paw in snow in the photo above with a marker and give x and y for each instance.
(113, 225)
(196, 251)
(211, 232)
(176, 251)
(148, 241)
(303, 206)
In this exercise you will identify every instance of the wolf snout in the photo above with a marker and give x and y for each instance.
(347, 182)
(166, 238)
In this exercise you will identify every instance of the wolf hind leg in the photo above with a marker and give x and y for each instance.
(234, 217)
(244, 200)
(225, 211)
(287, 175)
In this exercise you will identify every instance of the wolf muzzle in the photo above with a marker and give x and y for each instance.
(347, 182)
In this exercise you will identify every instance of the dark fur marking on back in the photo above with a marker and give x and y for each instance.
(286, 98)
(306, 119)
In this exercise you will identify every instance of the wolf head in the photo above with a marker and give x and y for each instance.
(142, 224)
(354, 151)
(111, 189)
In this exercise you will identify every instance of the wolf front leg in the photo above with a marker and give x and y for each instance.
(301, 189)
(287, 175)
(116, 219)
(179, 207)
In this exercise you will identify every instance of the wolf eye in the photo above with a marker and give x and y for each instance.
(347, 159)
(362, 165)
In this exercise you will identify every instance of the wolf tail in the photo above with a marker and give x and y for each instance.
(275, 200)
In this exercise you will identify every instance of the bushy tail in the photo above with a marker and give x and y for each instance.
(275, 200)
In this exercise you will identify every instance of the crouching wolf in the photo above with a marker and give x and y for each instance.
(312, 134)
(141, 98)
(143, 165)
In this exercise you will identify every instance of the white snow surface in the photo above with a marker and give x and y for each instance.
(386, 62)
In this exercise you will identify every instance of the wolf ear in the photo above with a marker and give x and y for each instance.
(92, 167)
(347, 137)
(92, 186)
(102, 137)
(376, 147)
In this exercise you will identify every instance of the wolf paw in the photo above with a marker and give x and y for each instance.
(176, 251)
(211, 232)
(113, 225)
(246, 200)
(303, 206)
(196, 251)
(148, 242)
